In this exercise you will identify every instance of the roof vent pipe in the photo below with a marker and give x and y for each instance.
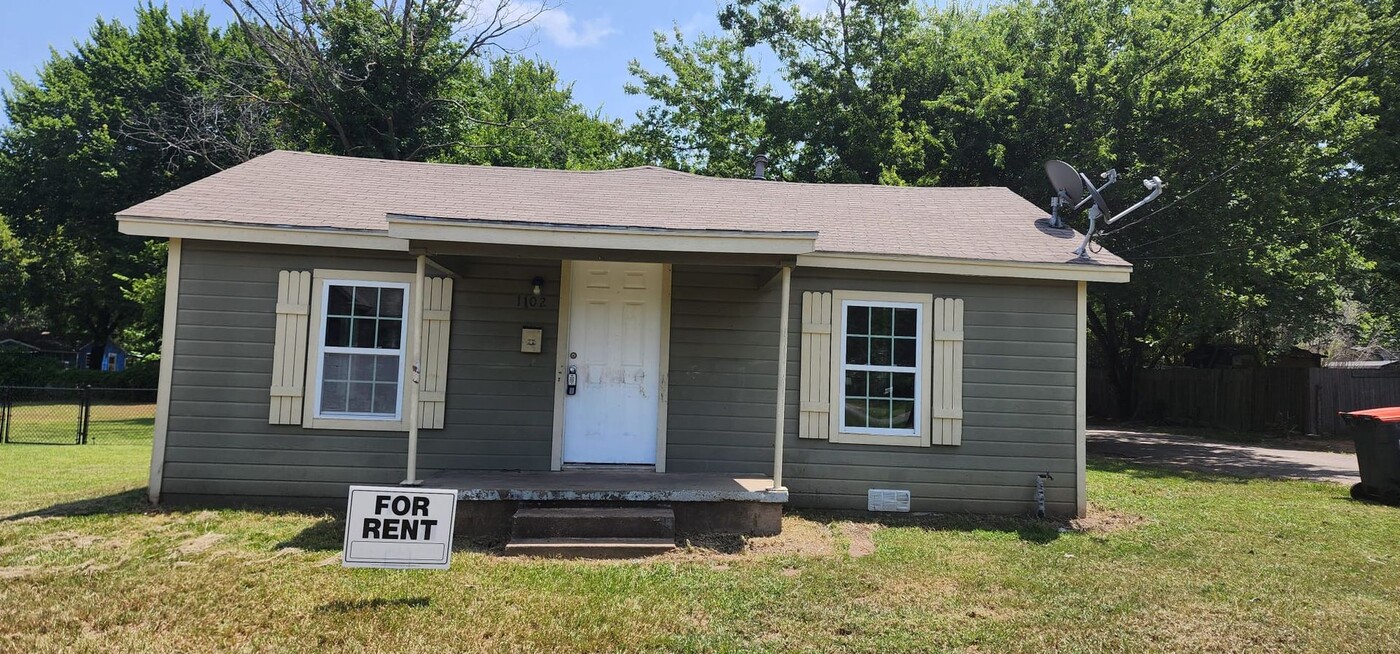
(760, 166)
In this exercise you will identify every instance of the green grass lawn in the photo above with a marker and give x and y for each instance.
(1172, 562)
(57, 423)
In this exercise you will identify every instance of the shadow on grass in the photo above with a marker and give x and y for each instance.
(1143, 470)
(351, 606)
(123, 503)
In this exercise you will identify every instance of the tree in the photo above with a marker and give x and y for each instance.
(66, 164)
(1254, 117)
(709, 116)
(374, 78)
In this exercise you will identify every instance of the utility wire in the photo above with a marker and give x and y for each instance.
(1194, 40)
(1168, 59)
(1314, 228)
(1312, 106)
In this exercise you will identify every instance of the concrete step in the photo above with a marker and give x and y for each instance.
(589, 548)
(594, 522)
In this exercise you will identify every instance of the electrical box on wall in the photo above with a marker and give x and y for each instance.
(530, 339)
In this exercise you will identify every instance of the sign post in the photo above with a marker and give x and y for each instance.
(399, 528)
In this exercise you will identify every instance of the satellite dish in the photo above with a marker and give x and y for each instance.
(1066, 179)
(1098, 199)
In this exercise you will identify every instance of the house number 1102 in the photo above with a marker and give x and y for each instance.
(531, 301)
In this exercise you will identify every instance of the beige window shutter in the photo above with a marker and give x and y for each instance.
(815, 417)
(289, 349)
(947, 371)
(437, 326)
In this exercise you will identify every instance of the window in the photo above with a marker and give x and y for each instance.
(881, 357)
(362, 342)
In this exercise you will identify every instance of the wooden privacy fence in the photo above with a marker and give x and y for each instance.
(1283, 400)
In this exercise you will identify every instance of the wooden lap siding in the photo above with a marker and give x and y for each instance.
(1018, 395)
(1018, 404)
(219, 442)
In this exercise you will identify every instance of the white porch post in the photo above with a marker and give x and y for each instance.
(416, 338)
(781, 408)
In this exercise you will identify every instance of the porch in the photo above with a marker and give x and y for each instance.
(618, 505)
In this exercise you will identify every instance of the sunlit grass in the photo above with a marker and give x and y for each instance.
(1201, 563)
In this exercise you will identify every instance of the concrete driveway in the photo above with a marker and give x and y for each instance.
(1171, 451)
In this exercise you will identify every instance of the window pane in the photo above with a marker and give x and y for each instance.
(391, 302)
(366, 301)
(906, 322)
(385, 396)
(362, 367)
(881, 321)
(361, 398)
(855, 383)
(902, 414)
(880, 354)
(856, 413)
(880, 414)
(389, 334)
(363, 335)
(332, 396)
(337, 332)
(338, 302)
(857, 320)
(906, 352)
(336, 367)
(855, 350)
(386, 368)
(879, 384)
(903, 385)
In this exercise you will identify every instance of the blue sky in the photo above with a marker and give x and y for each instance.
(589, 42)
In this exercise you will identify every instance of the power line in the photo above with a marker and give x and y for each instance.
(1168, 59)
(1312, 106)
(1194, 40)
(1314, 228)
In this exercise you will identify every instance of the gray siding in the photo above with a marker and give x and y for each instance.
(1018, 393)
(219, 443)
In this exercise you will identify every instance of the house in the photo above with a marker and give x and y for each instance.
(734, 340)
(36, 344)
(112, 356)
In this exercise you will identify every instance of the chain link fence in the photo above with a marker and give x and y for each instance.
(76, 416)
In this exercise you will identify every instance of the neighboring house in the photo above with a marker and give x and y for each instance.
(1370, 357)
(37, 344)
(113, 357)
(824, 339)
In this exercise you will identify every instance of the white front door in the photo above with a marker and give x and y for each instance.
(615, 352)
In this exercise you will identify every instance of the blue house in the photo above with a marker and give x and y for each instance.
(113, 356)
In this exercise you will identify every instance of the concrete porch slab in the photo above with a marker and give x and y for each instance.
(602, 485)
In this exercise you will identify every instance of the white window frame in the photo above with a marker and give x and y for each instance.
(322, 280)
(919, 436)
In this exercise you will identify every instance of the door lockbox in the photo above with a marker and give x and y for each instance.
(571, 381)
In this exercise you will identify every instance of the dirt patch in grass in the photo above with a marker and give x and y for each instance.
(860, 537)
(199, 544)
(1098, 520)
(800, 537)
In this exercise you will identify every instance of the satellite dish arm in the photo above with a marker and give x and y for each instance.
(1155, 185)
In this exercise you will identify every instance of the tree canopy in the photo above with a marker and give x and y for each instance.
(1267, 119)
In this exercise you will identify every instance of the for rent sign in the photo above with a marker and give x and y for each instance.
(392, 527)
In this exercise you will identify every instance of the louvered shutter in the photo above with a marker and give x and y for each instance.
(437, 325)
(815, 421)
(289, 350)
(947, 371)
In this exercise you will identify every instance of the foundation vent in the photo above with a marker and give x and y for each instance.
(883, 499)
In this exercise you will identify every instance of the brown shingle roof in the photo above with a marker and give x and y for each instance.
(303, 190)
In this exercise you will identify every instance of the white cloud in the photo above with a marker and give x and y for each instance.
(811, 8)
(567, 32)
